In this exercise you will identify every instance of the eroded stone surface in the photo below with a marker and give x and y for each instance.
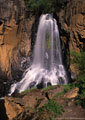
(72, 24)
(72, 20)
(15, 32)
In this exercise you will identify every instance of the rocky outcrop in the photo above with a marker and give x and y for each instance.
(26, 102)
(15, 32)
(12, 108)
(72, 93)
(29, 104)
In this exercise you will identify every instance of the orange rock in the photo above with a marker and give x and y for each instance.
(12, 109)
(72, 93)
(15, 32)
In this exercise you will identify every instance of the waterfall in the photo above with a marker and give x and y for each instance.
(47, 67)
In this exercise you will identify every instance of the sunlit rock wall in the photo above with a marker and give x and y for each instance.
(72, 29)
(15, 33)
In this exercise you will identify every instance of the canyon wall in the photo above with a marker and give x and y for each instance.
(15, 41)
(72, 20)
(15, 33)
(72, 29)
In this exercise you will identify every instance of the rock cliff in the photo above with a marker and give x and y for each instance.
(72, 29)
(72, 20)
(15, 32)
(15, 40)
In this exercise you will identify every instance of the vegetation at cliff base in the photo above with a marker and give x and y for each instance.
(52, 108)
(79, 59)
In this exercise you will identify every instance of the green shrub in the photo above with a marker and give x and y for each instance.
(81, 85)
(50, 87)
(52, 107)
(79, 59)
(82, 63)
(59, 94)
(68, 87)
(28, 90)
(76, 57)
(44, 6)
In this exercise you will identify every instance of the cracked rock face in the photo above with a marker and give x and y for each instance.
(15, 41)
(72, 20)
(72, 24)
(15, 31)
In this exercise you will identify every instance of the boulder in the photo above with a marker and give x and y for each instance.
(72, 93)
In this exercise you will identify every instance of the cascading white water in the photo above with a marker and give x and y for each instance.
(47, 66)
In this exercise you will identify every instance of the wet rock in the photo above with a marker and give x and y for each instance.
(32, 84)
(40, 85)
(61, 81)
(48, 84)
